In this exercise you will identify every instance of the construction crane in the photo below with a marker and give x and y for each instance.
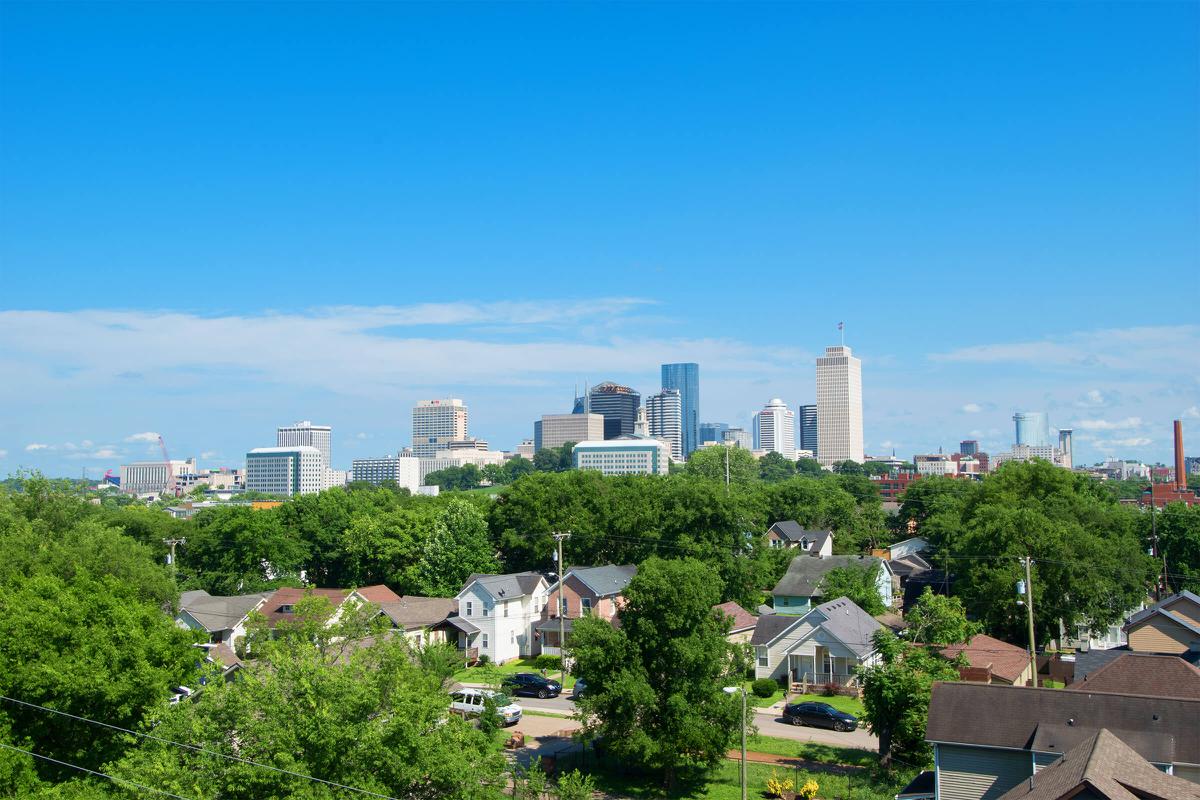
(169, 485)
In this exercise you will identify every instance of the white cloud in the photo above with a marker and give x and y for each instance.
(1091, 399)
(99, 453)
(30, 448)
(360, 435)
(1133, 441)
(209, 454)
(972, 408)
(1106, 425)
(3, 454)
(1173, 349)
(1192, 413)
(148, 436)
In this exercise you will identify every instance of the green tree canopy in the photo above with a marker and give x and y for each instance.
(857, 583)
(709, 462)
(774, 467)
(939, 620)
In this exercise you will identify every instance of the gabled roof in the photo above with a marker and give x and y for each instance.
(1005, 661)
(608, 580)
(1161, 730)
(1143, 673)
(840, 618)
(377, 594)
(272, 609)
(792, 531)
(804, 573)
(1103, 766)
(413, 612)
(505, 587)
(1163, 608)
(909, 564)
(215, 613)
(739, 618)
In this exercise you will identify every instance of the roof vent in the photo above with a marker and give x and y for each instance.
(1071, 721)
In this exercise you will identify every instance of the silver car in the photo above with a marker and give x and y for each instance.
(470, 703)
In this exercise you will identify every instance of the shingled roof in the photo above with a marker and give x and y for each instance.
(604, 581)
(1006, 661)
(1143, 673)
(804, 574)
(739, 618)
(515, 584)
(215, 613)
(413, 612)
(1102, 766)
(843, 620)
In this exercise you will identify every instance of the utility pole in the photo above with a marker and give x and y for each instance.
(727, 468)
(1029, 609)
(744, 742)
(171, 543)
(562, 625)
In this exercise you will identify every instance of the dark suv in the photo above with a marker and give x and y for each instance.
(531, 685)
(819, 715)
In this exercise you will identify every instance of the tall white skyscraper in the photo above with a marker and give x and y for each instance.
(436, 423)
(775, 429)
(305, 434)
(839, 407)
(664, 417)
(285, 471)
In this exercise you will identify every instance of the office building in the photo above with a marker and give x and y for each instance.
(968, 447)
(712, 432)
(285, 471)
(436, 423)
(399, 470)
(144, 477)
(1065, 454)
(305, 434)
(935, 464)
(664, 417)
(739, 437)
(618, 405)
(686, 379)
(628, 455)
(554, 430)
(641, 425)
(839, 407)
(527, 448)
(775, 429)
(806, 429)
(1032, 428)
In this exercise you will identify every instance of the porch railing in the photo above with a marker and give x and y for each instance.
(809, 680)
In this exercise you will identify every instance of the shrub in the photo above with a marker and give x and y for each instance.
(829, 689)
(574, 785)
(549, 663)
(764, 688)
(776, 785)
(484, 660)
(808, 790)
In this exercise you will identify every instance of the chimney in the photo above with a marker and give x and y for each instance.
(1180, 472)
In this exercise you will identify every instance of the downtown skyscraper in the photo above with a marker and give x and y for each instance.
(775, 429)
(806, 428)
(685, 378)
(436, 423)
(664, 415)
(839, 407)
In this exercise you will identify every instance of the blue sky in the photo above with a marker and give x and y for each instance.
(217, 218)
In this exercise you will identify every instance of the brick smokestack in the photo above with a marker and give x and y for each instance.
(1180, 473)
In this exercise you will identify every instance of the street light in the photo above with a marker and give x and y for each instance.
(735, 690)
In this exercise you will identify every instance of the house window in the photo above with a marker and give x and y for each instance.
(486, 610)
(505, 607)
(483, 641)
(762, 656)
(565, 609)
(470, 608)
(512, 637)
(585, 606)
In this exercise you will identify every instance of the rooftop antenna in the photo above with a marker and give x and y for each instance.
(842, 332)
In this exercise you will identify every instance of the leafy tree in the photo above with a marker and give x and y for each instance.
(773, 467)
(876, 468)
(809, 466)
(461, 479)
(857, 583)
(237, 550)
(347, 709)
(896, 695)
(554, 459)
(654, 684)
(709, 462)
(939, 620)
(458, 547)
(516, 468)
(848, 467)
(1178, 530)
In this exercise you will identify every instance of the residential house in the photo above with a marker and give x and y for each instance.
(825, 645)
(585, 591)
(423, 620)
(1102, 767)
(741, 622)
(1143, 673)
(790, 534)
(991, 660)
(1171, 625)
(280, 605)
(502, 611)
(800, 587)
(222, 618)
(990, 738)
(908, 547)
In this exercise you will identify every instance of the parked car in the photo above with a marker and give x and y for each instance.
(579, 690)
(531, 684)
(819, 715)
(471, 702)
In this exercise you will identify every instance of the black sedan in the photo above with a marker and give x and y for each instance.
(819, 715)
(531, 685)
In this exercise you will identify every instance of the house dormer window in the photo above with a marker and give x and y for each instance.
(470, 608)
(287, 608)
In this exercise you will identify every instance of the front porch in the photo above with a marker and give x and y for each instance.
(547, 633)
(820, 669)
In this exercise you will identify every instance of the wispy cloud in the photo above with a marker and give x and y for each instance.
(209, 454)
(1192, 412)
(1167, 348)
(972, 408)
(1109, 425)
(148, 436)
(3, 454)
(35, 446)
(1132, 441)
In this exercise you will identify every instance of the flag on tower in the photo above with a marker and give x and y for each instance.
(841, 325)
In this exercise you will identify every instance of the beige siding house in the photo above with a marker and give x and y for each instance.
(826, 645)
(1171, 625)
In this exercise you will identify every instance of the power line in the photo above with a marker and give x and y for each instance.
(197, 749)
(112, 778)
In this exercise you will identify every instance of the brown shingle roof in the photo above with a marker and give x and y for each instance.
(1006, 661)
(740, 618)
(1144, 673)
(411, 611)
(378, 594)
(1109, 768)
(281, 598)
(1160, 729)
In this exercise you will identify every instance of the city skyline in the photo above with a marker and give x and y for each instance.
(337, 240)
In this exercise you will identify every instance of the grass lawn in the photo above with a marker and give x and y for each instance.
(493, 674)
(762, 702)
(811, 751)
(851, 705)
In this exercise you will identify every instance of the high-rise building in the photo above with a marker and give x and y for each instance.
(554, 430)
(618, 405)
(806, 424)
(305, 434)
(712, 432)
(143, 477)
(775, 429)
(686, 379)
(436, 423)
(1032, 428)
(968, 447)
(285, 471)
(403, 469)
(664, 417)
(739, 437)
(839, 407)
(1065, 454)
